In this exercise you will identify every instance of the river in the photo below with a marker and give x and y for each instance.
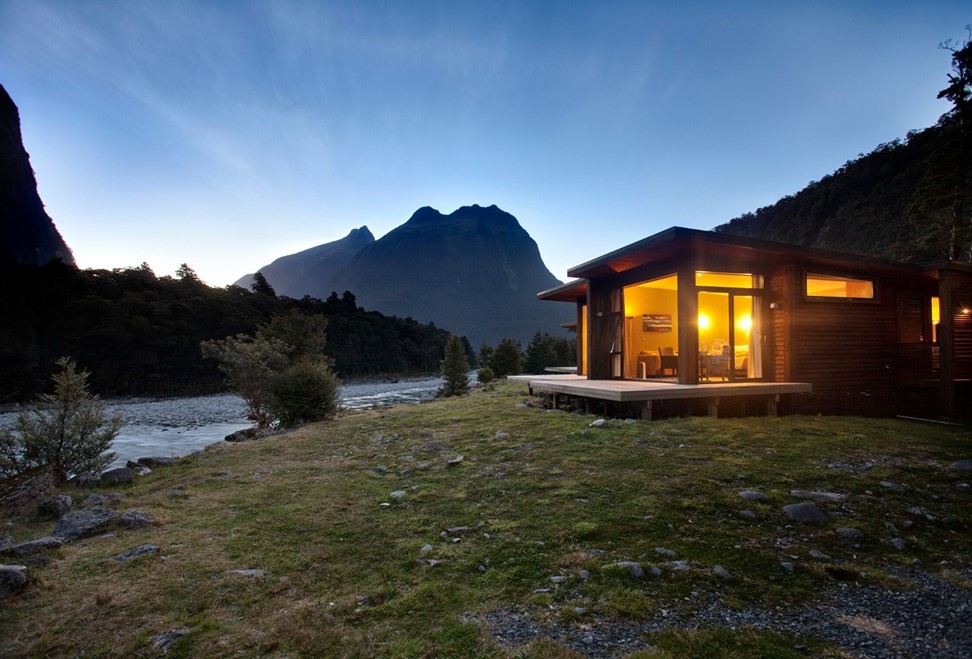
(179, 426)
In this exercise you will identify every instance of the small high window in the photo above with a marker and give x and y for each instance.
(839, 287)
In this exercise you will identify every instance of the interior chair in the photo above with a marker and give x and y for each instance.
(669, 360)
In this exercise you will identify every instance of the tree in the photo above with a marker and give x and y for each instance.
(506, 358)
(261, 286)
(250, 363)
(540, 353)
(455, 368)
(485, 356)
(70, 430)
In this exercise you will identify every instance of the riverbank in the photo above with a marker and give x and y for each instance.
(482, 526)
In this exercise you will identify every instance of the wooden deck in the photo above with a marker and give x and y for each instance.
(646, 391)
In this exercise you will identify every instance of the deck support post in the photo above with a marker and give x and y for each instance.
(771, 404)
(714, 407)
(554, 398)
(646, 411)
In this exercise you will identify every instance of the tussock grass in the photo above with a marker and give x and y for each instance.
(344, 573)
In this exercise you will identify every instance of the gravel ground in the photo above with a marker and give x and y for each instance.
(931, 619)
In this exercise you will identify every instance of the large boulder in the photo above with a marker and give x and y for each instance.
(157, 461)
(22, 495)
(805, 512)
(82, 523)
(12, 579)
(119, 476)
(34, 546)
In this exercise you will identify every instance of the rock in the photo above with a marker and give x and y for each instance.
(34, 546)
(57, 505)
(12, 579)
(153, 462)
(665, 552)
(502, 436)
(894, 487)
(584, 574)
(135, 519)
(787, 565)
(456, 461)
(141, 550)
(81, 523)
(805, 512)
(426, 549)
(747, 513)
(631, 422)
(249, 572)
(398, 494)
(598, 423)
(898, 543)
(961, 465)
(138, 469)
(108, 499)
(5, 541)
(84, 479)
(632, 568)
(165, 639)
(850, 533)
(722, 572)
(459, 530)
(678, 566)
(753, 496)
(244, 435)
(558, 579)
(819, 555)
(819, 497)
(522, 406)
(21, 495)
(119, 476)
(656, 571)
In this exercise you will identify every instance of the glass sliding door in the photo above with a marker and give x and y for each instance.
(729, 336)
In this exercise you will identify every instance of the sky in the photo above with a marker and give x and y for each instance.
(227, 134)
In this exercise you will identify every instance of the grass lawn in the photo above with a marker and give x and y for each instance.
(528, 525)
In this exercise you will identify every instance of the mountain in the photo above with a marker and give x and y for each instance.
(475, 272)
(300, 274)
(895, 202)
(27, 233)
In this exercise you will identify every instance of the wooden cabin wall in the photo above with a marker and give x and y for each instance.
(846, 349)
(601, 322)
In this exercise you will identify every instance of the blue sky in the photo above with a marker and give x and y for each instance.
(226, 134)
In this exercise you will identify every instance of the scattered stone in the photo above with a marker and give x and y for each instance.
(84, 479)
(57, 505)
(894, 487)
(631, 422)
(21, 495)
(459, 530)
(249, 572)
(244, 435)
(502, 436)
(665, 552)
(632, 568)
(597, 423)
(747, 513)
(584, 574)
(426, 549)
(678, 566)
(154, 462)
(558, 579)
(788, 566)
(456, 461)
(805, 512)
(819, 497)
(522, 406)
(753, 496)
(819, 555)
(106, 499)
(398, 494)
(850, 533)
(961, 465)
(722, 572)
(165, 639)
(656, 571)
(138, 469)
(12, 579)
(141, 550)
(33, 546)
(5, 541)
(119, 476)
(898, 543)
(384, 505)
(81, 523)
(135, 519)
(918, 511)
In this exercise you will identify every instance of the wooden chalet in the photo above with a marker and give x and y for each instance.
(688, 314)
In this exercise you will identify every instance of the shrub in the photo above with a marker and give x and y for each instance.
(305, 391)
(485, 375)
(455, 368)
(69, 430)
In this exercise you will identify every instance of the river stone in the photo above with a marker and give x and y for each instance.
(398, 494)
(850, 533)
(119, 476)
(753, 496)
(805, 512)
(722, 572)
(598, 423)
(819, 555)
(135, 519)
(788, 566)
(747, 513)
(157, 461)
(894, 487)
(138, 469)
(80, 523)
(456, 461)
(961, 465)
(819, 497)
(249, 572)
(33, 546)
(666, 552)
(632, 568)
(502, 436)
(165, 639)
(12, 579)
(141, 550)
(84, 479)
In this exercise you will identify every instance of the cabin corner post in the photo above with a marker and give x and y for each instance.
(688, 329)
(601, 334)
(946, 342)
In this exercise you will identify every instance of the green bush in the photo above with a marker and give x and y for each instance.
(305, 391)
(455, 368)
(485, 375)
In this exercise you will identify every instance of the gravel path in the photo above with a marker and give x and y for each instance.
(931, 619)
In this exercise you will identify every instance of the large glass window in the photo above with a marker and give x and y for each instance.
(839, 287)
(726, 279)
(651, 329)
(729, 331)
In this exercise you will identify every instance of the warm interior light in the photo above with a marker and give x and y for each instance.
(746, 323)
(704, 321)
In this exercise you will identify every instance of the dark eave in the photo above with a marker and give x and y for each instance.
(569, 292)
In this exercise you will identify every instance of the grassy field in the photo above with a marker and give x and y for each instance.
(532, 512)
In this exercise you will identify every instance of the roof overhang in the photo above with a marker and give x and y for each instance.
(569, 292)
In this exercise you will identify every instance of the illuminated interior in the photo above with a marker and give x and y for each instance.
(839, 287)
(651, 327)
(936, 317)
(725, 279)
(729, 347)
(582, 337)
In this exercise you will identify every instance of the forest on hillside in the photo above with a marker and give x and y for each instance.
(139, 334)
(907, 200)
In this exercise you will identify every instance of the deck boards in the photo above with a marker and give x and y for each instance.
(630, 391)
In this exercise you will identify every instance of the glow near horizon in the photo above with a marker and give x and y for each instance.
(225, 134)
